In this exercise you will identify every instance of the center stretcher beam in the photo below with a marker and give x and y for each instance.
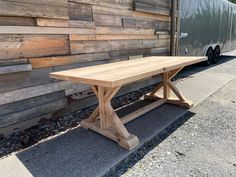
(105, 121)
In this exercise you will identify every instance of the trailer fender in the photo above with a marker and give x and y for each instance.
(213, 46)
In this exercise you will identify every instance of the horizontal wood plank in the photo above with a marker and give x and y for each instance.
(81, 24)
(111, 11)
(17, 21)
(150, 16)
(106, 3)
(15, 69)
(9, 82)
(29, 92)
(30, 103)
(107, 20)
(151, 9)
(21, 46)
(80, 11)
(89, 47)
(52, 22)
(67, 60)
(15, 8)
(63, 3)
(31, 113)
(120, 30)
(75, 37)
(160, 3)
(43, 30)
(12, 62)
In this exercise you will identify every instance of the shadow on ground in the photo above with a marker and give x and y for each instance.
(200, 66)
(82, 152)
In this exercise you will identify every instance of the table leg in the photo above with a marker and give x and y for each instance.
(105, 121)
(167, 86)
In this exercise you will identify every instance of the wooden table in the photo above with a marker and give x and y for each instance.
(107, 79)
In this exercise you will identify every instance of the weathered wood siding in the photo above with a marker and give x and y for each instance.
(41, 36)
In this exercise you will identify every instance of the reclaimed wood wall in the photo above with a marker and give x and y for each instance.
(42, 36)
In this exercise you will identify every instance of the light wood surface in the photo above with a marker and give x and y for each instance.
(107, 79)
(120, 73)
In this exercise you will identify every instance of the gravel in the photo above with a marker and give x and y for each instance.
(50, 127)
(201, 143)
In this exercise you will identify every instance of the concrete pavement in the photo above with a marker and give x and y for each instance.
(83, 153)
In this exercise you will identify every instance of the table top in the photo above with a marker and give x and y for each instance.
(120, 73)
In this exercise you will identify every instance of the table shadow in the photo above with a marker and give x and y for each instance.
(81, 152)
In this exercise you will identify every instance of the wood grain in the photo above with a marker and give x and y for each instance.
(16, 8)
(67, 60)
(15, 69)
(120, 73)
(21, 46)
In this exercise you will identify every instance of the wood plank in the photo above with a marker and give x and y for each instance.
(125, 44)
(29, 92)
(138, 23)
(17, 21)
(43, 30)
(107, 20)
(20, 46)
(30, 103)
(63, 3)
(15, 69)
(10, 8)
(127, 53)
(120, 73)
(75, 37)
(79, 11)
(13, 62)
(52, 22)
(120, 30)
(81, 24)
(159, 3)
(151, 9)
(99, 46)
(142, 111)
(89, 46)
(21, 126)
(105, 3)
(150, 16)
(160, 51)
(162, 26)
(9, 82)
(67, 60)
(156, 43)
(31, 113)
(111, 11)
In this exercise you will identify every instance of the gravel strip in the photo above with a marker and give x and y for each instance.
(50, 127)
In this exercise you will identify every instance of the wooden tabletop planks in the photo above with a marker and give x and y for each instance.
(120, 73)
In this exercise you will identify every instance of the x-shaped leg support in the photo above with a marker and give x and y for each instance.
(105, 121)
(167, 86)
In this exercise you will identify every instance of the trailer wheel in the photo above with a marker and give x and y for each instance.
(210, 55)
(216, 55)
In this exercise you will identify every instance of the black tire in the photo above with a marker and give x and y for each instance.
(210, 55)
(216, 55)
